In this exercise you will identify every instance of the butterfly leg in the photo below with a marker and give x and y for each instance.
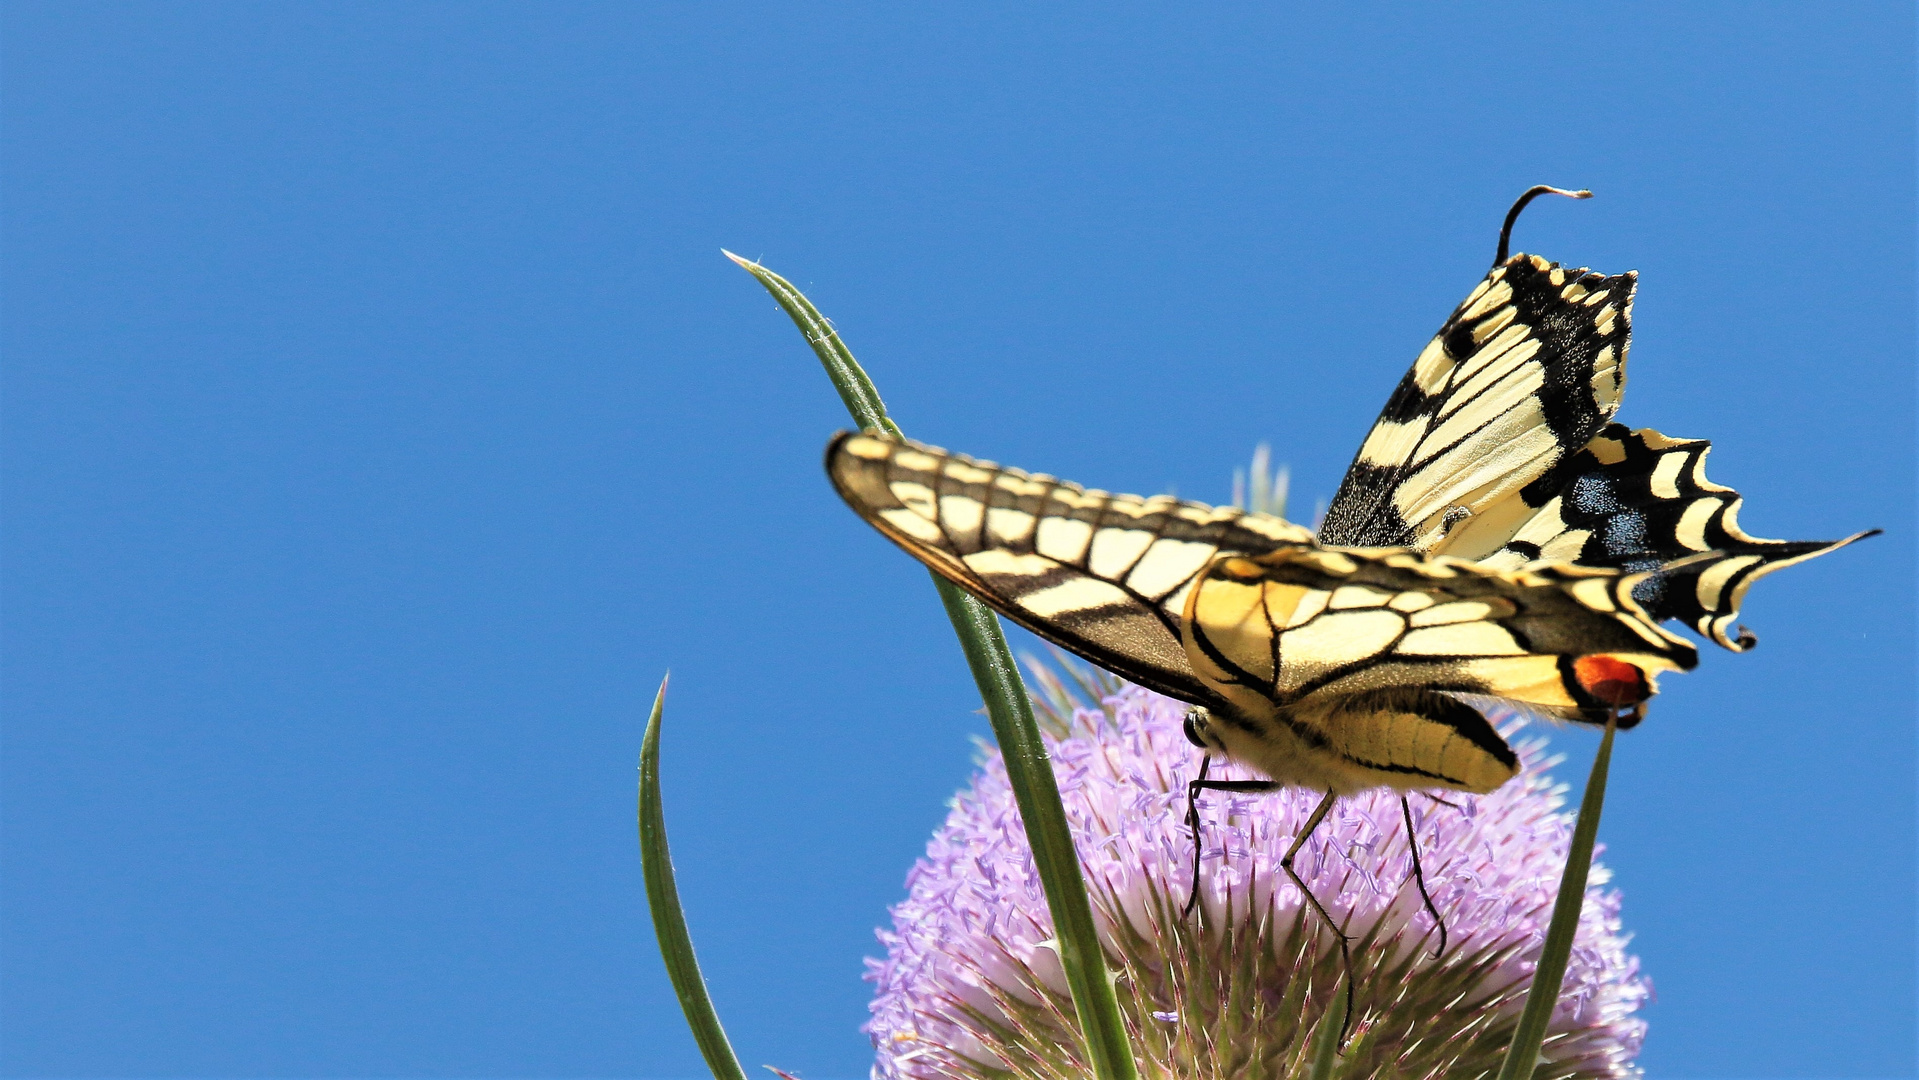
(1419, 875)
(1192, 824)
(1192, 813)
(1345, 947)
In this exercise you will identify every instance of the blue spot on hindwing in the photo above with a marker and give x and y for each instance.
(1650, 593)
(1625, 533)
(1592, 495)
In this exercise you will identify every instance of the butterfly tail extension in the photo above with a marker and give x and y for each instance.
(1718, 591)
(1640, 501)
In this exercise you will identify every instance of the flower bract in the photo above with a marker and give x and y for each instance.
(971, 986)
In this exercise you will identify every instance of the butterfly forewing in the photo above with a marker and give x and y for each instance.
(1636, 501)
(1301, 623)
(1524, 373)
(1102, 575)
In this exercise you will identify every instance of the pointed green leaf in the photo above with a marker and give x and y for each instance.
(862, 398)
(1522, 1058)
(669, 923)
(1011, 712)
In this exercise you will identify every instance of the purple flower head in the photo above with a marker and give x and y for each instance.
(972, 988)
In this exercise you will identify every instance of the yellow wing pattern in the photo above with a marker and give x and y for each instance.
(1331, 667)
(1341, 668)
(1638, 500)
(1102, 575)
(1297, 622)
(1525, 371)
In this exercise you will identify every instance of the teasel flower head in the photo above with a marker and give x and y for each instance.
(971, 987)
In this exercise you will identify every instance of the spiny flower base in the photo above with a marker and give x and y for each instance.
(971, 987)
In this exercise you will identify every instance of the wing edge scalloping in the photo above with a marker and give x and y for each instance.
(1657, 485)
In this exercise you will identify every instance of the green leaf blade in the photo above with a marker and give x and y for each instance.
(1030, 772)
(1326, 1040)
(1010, 709)
(862, 398)
(1522, 1057)
(669, 922)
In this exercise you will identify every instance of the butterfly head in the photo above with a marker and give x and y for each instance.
(1199, 732)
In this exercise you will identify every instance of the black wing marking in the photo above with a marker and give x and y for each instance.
(1104, 576)
(1524, 373)
(1300, 623)
(1634, 501)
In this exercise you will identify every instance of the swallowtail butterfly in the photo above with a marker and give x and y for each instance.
(1496, 537)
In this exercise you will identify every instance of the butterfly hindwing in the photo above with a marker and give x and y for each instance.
(1300, 624)
(1526, 371)
(1635, 501)
(1102, 575)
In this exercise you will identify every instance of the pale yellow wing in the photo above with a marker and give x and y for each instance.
(1523, 374)
(1299, 624)
(1102, 575)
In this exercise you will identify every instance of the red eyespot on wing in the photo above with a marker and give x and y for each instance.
(1614, 682)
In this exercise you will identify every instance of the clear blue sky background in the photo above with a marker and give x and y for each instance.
(381, 421)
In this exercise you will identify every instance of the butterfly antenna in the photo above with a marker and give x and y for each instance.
(1192, 822)
(1345, 946)
(1534, 192)
(1419, 876)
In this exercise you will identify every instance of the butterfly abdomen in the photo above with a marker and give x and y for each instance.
(1404, 738)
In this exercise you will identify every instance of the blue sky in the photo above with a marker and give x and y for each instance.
(381, 421)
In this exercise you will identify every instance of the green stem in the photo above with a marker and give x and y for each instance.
(669, 923)
(1326, 1039)
(1522, 1058)
(1011, 712)
(1037, 791)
